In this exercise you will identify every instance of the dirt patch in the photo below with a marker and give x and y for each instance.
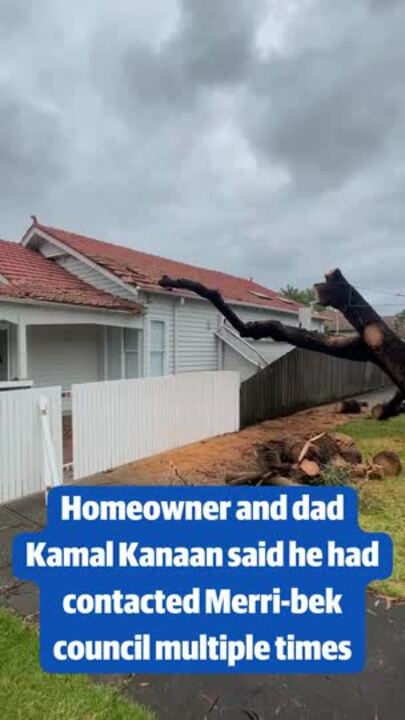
(207, 462)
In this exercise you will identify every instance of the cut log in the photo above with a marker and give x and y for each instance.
(350, 407)
(289, 453)
(310, 468)
(326, 447)
(320, 448)
(375, 472)
(338, 461)
(275, 453)
(352, 456)
(343, 441)
(310, 449)
(295, 451)
(389, 461)
(359, 471)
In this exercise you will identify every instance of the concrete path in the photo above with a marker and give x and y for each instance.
(377, 396)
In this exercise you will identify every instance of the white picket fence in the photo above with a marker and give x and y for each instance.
(119, 421)
(30, 441)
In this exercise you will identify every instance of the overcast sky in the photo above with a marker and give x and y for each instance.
(262, 137)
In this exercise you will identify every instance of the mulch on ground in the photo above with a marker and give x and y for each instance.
(209, 461)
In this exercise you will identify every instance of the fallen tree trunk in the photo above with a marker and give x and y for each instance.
(375, 341)
(387, 348)
(346, 348)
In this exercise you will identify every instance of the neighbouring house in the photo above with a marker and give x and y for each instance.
(75, 309)
(336, 323)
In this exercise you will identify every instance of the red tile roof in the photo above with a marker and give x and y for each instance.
(30, 275)
(144, 270)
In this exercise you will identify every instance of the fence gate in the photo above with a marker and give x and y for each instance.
(119, 421)
(30, 436)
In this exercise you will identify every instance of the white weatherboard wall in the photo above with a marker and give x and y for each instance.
(197, 345)
(121, 421)
(65, 354)
(21, 453)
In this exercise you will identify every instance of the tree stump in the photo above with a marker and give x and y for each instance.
(389, 461)
(351, 407)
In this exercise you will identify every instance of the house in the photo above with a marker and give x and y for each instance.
(76, 309)
(336, 323)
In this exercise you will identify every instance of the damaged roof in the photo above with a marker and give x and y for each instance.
(26, 274)
(140, 269)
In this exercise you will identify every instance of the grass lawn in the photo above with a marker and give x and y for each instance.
(28, 693)
(382, 502)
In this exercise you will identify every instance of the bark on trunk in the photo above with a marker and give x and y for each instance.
(387, 348)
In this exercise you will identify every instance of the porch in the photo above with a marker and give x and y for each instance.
(50, 345)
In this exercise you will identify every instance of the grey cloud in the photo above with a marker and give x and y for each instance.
(13, 14)
(29, 150)
(328, 111)
(212, 48)
(165, 126)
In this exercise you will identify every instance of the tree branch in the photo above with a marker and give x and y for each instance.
(346, 348)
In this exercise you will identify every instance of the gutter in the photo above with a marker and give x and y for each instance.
(70, 306)
(178, 294)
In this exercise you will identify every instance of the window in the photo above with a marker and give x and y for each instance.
(131, 350)
(3, 355)
(157, 361)
(114, 343)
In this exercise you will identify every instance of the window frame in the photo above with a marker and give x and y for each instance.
(127, 350)
(163, 351)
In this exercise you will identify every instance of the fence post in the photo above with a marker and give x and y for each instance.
(50, 468)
